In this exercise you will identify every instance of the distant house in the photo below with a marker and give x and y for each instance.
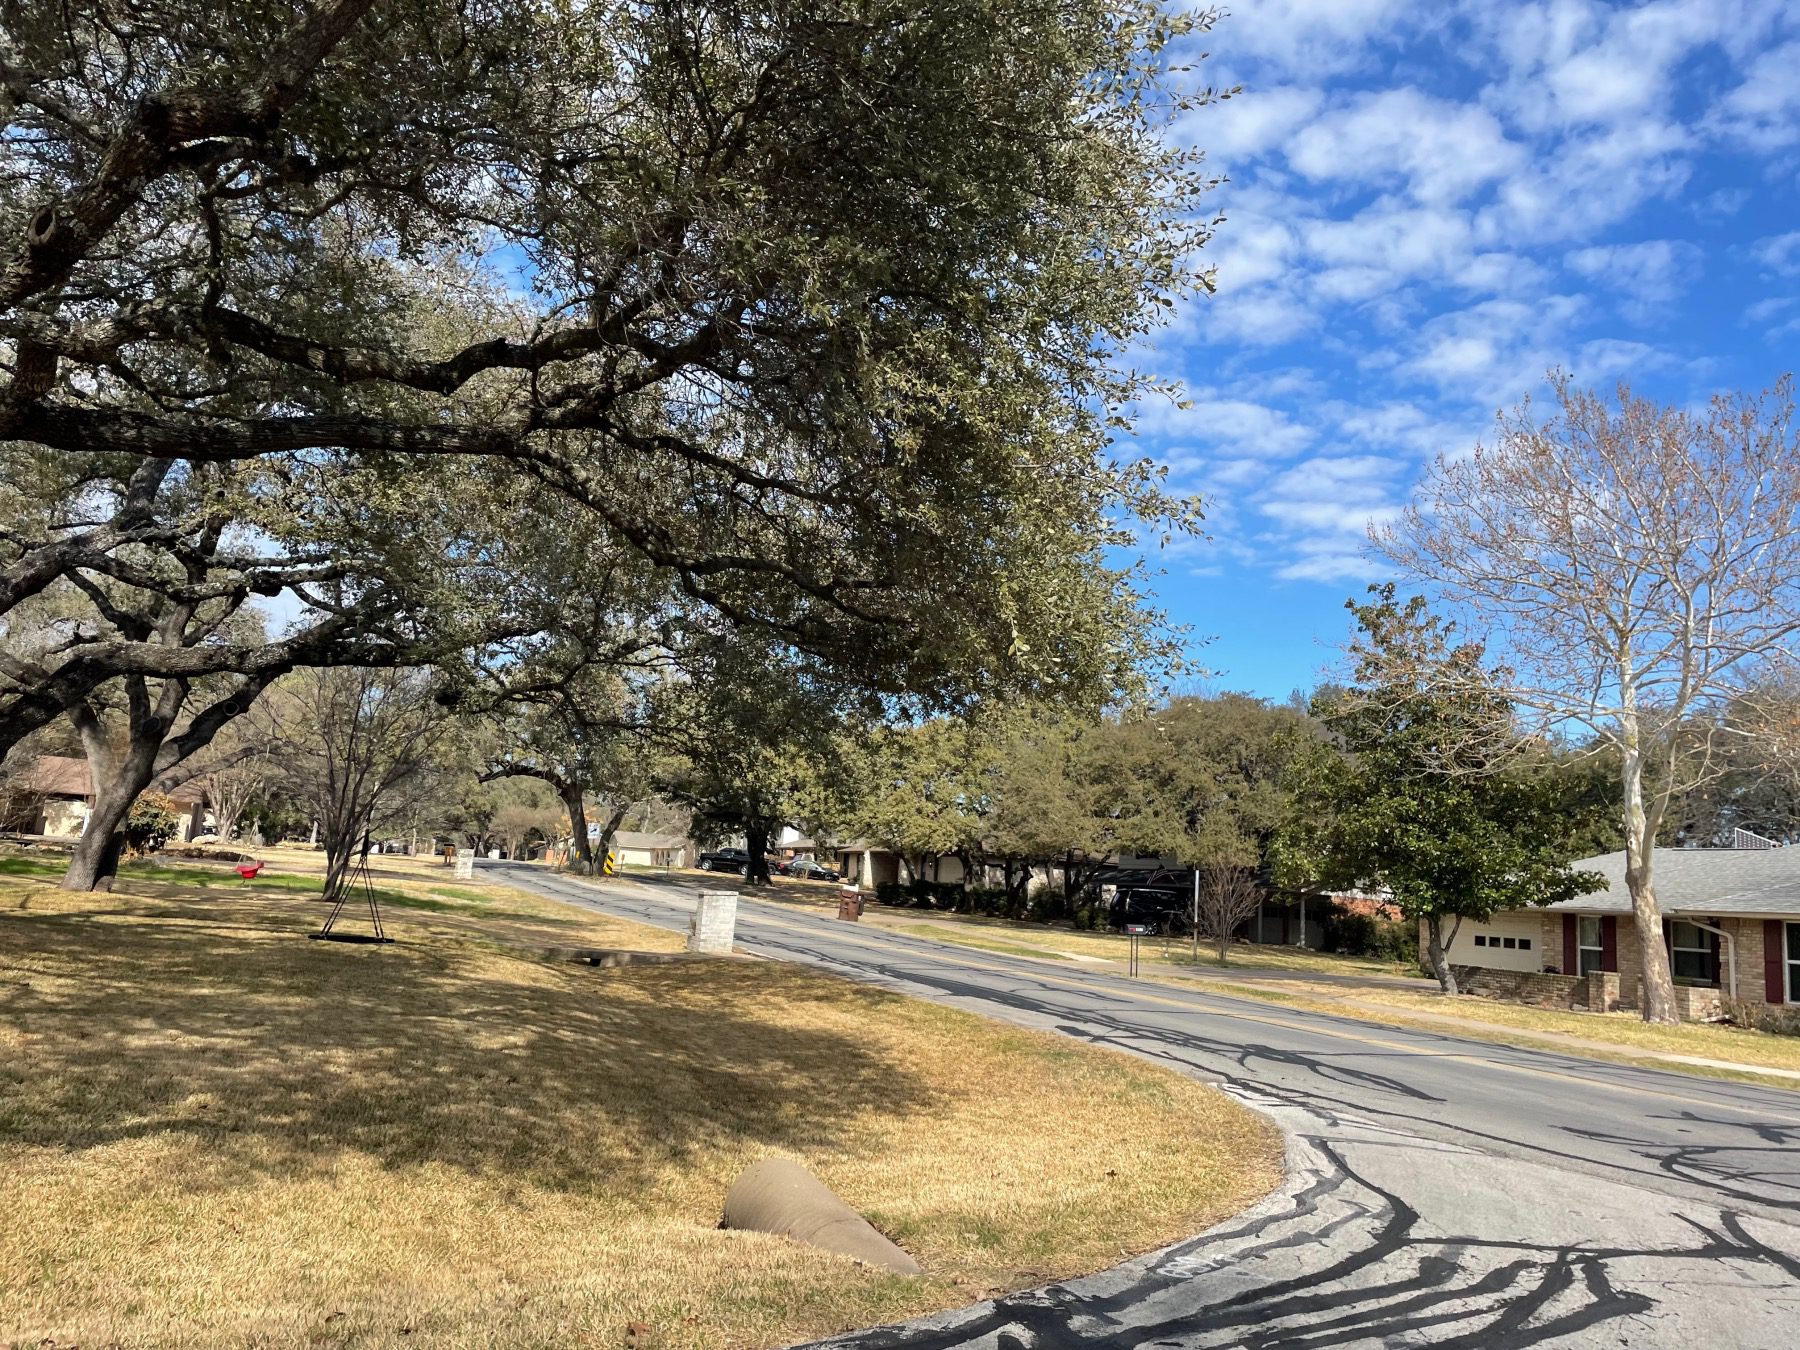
(54, 796)
(1731, 928)
(651, 850)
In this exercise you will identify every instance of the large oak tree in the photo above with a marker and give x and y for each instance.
(819, 307)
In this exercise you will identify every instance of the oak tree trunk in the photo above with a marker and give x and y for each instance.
(607, 831)
(756, 844)
(118, 780)
(583, 847)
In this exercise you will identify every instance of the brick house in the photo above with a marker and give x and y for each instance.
(1731, 926)
(53, 795)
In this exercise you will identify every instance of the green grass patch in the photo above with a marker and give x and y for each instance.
(463, 893)
(30, 867)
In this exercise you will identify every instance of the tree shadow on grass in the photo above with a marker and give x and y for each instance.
(276, 1055)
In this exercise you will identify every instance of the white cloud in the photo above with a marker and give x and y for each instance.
(1250, 123)
(1251, 248)
(1267, 316)
(1764, 111)
(1441, 152)
(1606, 359)
(1405, 427)
(1647, 275)
(1333, 494)
(1398, 242)
(1317, 37)
(1494, 351)
(1424, 240)
(1224, 425)
(1325, 508)
(1579, 186)
(1573, 63)
(1779, 253)
(1330, 560)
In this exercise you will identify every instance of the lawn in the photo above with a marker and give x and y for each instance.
(214, 1132)
(1625, 1030)
(1032, 939)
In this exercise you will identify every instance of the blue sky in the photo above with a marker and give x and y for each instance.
(1430, 205)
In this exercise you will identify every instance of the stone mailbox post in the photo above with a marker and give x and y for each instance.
(714, 924)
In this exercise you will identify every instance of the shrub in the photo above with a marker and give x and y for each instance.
(1349, 934)
(917, 894)
(153, 821)
(1364, 935)
(986, 900)
(1048, 905)
(1775, 1019)
(891, 893)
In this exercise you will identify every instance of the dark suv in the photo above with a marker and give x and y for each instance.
(1159, 909)
(726, 860)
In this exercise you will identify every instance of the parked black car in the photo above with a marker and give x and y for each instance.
(1160, 909)
(726, 860)
(810, 869)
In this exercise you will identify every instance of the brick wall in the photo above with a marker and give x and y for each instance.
(1752, 986)
(1619, 990)
(1602, 991)
(1696, 1002)
(1538, 988)
(1550, 945)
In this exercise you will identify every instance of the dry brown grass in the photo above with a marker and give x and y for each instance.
(1627, 1031)
(214, 1132)
(1040, 939)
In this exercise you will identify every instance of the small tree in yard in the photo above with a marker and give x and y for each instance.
(1638, 564)
(1228, 894)
(1409, 801)
(359, 749)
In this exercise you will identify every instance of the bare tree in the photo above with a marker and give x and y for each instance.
(1228, 894)
(359, 750)
(235, 770)
(1637, 566)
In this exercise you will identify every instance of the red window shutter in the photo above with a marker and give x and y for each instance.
(1773, 951)
(1571, 958)
(1609, 943)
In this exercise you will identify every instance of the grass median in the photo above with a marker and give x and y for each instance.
(214, 1132)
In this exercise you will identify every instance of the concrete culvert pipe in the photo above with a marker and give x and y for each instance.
(778, 1196)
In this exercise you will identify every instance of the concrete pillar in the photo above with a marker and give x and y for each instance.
(714, 924)
(465, 864)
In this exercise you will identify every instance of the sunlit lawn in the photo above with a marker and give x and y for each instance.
(213, 1131)
(1043, 939)
(1626, 1030)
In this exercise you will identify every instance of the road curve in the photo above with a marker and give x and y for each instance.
(1440, 1191)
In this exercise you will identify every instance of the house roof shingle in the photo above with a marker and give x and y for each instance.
(67, 776)
(1701, 881)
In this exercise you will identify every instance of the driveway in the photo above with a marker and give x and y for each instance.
(1440, 1191)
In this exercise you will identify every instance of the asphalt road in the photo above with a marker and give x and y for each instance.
(1440, 1191)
